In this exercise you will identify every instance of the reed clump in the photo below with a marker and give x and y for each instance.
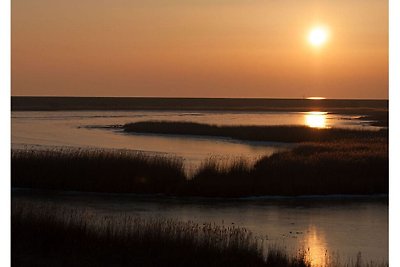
(56, 235)
(342, 167)
(214, 178)
(313, 168)
(292, 134)
(44, 235)
(96, 170)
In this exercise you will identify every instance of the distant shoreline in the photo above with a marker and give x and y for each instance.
(32, 192)
(344, 106)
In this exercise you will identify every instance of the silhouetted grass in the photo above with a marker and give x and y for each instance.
(253, 133)
(96, 170)
(50, 236)
(340, 167)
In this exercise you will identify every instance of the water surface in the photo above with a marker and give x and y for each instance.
(319, 225)
(44, 129)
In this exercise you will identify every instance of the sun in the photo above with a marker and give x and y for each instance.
(318, 36)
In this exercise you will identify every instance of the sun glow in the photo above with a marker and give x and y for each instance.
(315, 119)
(316, 98)
(318, 36)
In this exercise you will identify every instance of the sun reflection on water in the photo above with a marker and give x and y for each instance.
(315, 119)
(316, 247)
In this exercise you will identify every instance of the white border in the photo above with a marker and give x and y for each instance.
(5, 87)
(394, 131)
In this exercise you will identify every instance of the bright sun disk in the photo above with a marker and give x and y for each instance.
(318, 36)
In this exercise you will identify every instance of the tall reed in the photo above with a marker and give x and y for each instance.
(96, 170)
(316, 168)
(54, 236)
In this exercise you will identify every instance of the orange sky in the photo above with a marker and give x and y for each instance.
(199, 48)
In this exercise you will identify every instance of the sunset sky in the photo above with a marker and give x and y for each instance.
(200, 48)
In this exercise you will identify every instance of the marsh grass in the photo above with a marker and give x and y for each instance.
(51, 236)
(314, 168)
(342, 167)
(96, 170)
(214, 178)
(293, 134)
(56, 235)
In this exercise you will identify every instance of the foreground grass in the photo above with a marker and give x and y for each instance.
(56, 235)
(50, 236)
(253, 133)
(341, 167)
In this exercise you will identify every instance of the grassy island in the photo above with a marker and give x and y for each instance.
(314, 168)
(292, 134)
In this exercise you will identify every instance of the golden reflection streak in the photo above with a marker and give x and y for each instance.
(315, 98)
(315, 119)
(316, 247)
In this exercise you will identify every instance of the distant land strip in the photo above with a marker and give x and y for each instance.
(33, 103)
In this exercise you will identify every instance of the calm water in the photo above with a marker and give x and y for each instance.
(334, 225)
(338, 226)
(69, 128)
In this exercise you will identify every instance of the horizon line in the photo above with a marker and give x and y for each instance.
(185, 97)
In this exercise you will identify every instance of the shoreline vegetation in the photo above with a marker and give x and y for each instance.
(50, 235)
(56, 236)
(292, 134)
(345, 166)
